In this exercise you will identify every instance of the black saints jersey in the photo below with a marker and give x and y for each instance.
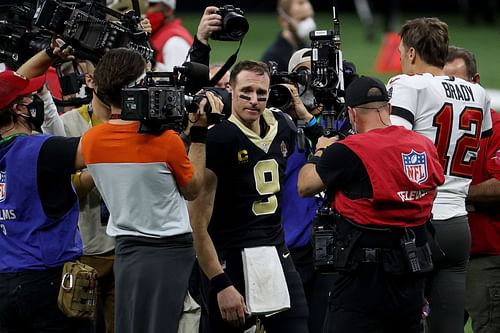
(250, 176)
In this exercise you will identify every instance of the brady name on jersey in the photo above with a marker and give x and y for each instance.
(454, 114)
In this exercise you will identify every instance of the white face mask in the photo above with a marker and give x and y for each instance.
(305, 27)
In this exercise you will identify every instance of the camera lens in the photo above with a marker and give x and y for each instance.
(280, 97)
(235, 25)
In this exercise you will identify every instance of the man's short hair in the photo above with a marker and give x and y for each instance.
(117, 69)
(429, 37)
(467, 56)
(248, 65)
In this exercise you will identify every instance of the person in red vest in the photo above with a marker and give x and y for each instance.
(381, 211)
(170, 39)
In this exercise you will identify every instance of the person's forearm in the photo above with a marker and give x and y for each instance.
(36, 65)
(200, 52)
(206, 254)
(304, 186)
(200, 213)
(485, 192)
(197, 157)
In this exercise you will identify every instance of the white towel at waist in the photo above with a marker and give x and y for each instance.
(266, 291)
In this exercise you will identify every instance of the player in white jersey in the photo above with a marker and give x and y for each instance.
(455, 115)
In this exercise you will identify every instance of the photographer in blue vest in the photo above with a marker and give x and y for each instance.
(38, 206)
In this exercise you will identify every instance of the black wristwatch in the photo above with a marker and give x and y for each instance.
(50, 52)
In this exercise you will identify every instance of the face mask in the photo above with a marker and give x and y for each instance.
(156, 19)
(35, 113)
(304, 28)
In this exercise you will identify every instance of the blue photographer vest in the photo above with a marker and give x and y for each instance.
(29, 240)
(297, 212)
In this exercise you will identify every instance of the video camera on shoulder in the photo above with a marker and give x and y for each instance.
(163, 99)
(27, 27)
(234, 24)
(83, 24)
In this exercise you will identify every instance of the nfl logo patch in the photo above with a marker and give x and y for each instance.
(3, 186)
(415, 166)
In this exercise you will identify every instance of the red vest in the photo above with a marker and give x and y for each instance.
(404, 172)
(485, 226)
(171, 29)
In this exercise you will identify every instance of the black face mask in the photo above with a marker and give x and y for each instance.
(35, 115)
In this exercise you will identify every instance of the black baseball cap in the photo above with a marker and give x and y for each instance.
(365, 89)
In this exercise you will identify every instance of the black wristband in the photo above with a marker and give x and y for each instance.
(50, 52)
(220, 282)
(198, 134)
(314, 160)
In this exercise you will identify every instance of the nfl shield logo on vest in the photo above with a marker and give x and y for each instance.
(3, 186)
(415, 166)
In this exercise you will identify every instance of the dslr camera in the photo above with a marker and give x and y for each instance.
(193, 103)
(279, 95)
(234, 24)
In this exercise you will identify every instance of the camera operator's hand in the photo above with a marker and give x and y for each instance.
(61, 49)
(146, 26)
(200, 117)
(323, 143)
(210, 22)
(299, 110)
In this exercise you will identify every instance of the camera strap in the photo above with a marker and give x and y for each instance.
(227, 65)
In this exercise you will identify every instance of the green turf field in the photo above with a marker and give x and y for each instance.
(483, 40)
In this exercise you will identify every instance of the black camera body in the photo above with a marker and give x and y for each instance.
(193, 103)
(85, 27)
(234, 24)
(18, 40)
(164, 99)
(26, 29)
(324, 237)
(327, 79)
(158, 103)
(280, 96)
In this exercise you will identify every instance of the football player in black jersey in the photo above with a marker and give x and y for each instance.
(240, 208)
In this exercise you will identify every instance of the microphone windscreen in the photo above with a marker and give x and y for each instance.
(197, 76)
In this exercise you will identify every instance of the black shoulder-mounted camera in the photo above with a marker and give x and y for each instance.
(163, 99)
(26, 29)
(234, 24)
(85, 27)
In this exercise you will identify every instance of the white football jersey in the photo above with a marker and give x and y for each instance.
(454, 114)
